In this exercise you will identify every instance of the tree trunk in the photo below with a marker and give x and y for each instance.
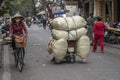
(1, 1)
(34, 8)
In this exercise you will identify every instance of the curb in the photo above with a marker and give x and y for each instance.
(6, 64)
(1, 52)
(114, 46)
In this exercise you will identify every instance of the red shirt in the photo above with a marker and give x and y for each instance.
(99, 28)
(18, 29)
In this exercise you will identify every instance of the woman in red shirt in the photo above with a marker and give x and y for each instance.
(99, 30)
(17, 28)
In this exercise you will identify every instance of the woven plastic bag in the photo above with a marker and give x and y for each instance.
(58, 49)
(59, 34)
(83, 47)
(68, 23)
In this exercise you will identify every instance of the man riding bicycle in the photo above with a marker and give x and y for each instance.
(17, 29)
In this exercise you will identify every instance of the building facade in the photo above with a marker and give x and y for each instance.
(104, 8)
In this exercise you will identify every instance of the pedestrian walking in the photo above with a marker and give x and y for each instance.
(90, 22)
(43, 20)
(98, 31)
(107, 23)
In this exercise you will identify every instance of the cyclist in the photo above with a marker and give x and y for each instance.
(17, 29)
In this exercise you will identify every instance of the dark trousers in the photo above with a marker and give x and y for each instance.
(44, 24)
(13, 43)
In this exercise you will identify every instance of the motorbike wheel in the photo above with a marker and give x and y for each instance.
(68, 59)
(107, 38)
(112, 39)
(73, 58)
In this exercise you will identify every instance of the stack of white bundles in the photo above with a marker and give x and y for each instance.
(69, 28)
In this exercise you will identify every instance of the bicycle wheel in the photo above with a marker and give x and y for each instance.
(21, 59)
(16, 58)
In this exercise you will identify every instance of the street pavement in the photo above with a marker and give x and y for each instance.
(99, 66)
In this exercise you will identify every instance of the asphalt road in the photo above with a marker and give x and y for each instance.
(99, 66)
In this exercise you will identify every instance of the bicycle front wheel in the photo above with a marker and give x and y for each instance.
(16, 59)
(21, 59)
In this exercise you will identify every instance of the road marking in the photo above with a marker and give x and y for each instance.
(6, 65)
(37, 45)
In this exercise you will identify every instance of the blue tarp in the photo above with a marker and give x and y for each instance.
(58, 12)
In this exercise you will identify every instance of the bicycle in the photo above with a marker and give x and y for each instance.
(19, 53)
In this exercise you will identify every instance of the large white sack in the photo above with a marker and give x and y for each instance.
(83, 47)
(51, 45)
(79, 21)
(71, 35)
(59, 24)
(68, 23)
(76, 34)
(58, 48)
(58, 34)
(51, 39)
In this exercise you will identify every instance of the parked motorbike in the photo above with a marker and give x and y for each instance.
(112, 34)
(4, 30)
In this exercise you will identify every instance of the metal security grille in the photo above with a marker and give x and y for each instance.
(118, 10)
